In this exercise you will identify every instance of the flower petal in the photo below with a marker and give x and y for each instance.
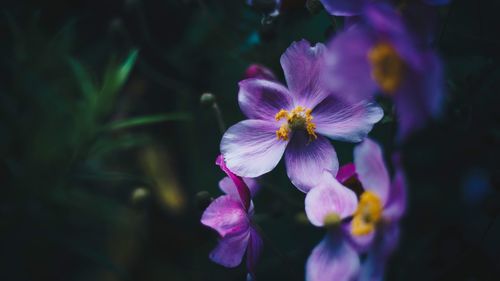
(371, 169)
(348, 72)
(302, 65)
(227, 186)
(332, 259)
(262, 99)
(328, 197)
(306, 159)
(254, 250)
(346, 172)
(226, 216)
(396, 203)
(250, 147)
(230, 250)
(421, 96)
(240, 190)
(373, 267)
(346, 122)
(344, 7)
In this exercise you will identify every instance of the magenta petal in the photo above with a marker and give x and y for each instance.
(346, 172)
(226, 216)
(332, 259)
(344, 7)
(346, 122)
(254, 250)
(230, 250)
(305, 160)
(262, 99)
(251, 147)
(329, 197)
(396, 204)
(371, 168)
(229, 188)
(302, 65)
(240, 186)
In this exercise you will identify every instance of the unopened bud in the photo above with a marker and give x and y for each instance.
(207, 99)
(139, 195)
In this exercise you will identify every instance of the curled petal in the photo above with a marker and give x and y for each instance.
(228, 186)
(332, 259)
(262, 99)
(329, 197)
(240, 190)
(306, 159)
(371, 168)
(250, 147)
(347, 122)
(302, 65)
(230, 250)
(226, 216)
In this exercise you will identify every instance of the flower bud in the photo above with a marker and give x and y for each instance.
(207, 99)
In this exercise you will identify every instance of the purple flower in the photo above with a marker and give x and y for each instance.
(334, 258)
(230, 215)
(294, 121)
(380, 55)
(382, 201)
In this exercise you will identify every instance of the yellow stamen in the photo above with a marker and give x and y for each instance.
(367, 215)
(299, 118)
(387, 67)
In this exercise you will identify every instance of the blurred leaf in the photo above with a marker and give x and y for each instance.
(86, 84)
(114, 78)
(148, 119)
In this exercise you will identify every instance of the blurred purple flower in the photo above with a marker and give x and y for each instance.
(375, 225)
(230, 215)
(379, 54)
(259, 71)
(334, 258)
(293, 121)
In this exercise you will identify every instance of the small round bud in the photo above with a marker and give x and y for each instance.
(207, 99)
(268, 28)
(139, 195)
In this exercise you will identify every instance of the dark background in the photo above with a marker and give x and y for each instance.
(107, 158)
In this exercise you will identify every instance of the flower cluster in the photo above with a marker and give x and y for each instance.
(330, 93)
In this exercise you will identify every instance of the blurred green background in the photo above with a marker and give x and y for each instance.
(107, 156)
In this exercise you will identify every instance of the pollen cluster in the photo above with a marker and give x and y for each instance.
(299, 118)
(367, 215)
(387, 67)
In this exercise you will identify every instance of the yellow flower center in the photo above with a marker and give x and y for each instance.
(299, 118)
(387, 67)
(367, 215)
